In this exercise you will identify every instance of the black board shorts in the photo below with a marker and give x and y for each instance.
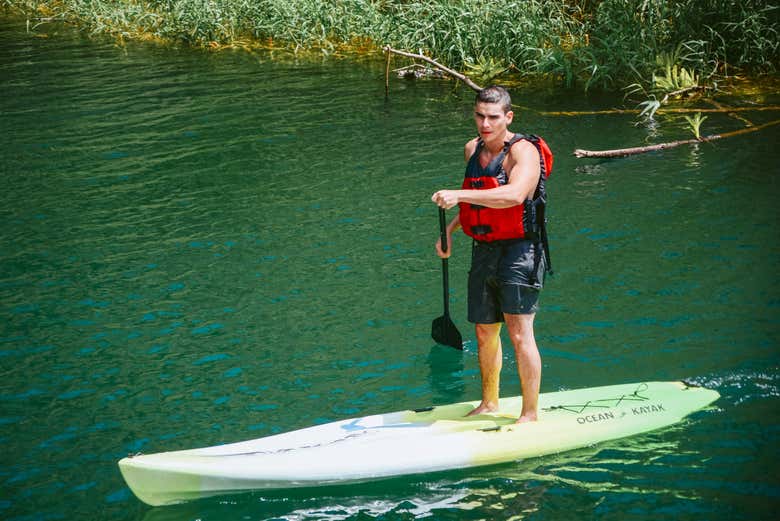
(505, 277)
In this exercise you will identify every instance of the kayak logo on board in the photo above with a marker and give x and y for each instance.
(648, 409)
(595, 418)
(609, 415)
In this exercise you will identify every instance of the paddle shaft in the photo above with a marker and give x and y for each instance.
(443, 330)
(444, 267)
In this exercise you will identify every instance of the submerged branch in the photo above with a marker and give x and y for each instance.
(436, 64)
(731, 113)
(622, 152)
(660, 111)
(684, 91)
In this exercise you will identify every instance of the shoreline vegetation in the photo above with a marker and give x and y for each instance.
(648, 47)
(656, 52)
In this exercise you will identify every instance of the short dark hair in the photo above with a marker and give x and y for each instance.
(495, 94)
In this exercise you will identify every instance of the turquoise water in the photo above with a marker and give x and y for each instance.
(203, 248)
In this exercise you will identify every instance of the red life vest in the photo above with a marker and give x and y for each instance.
(523, 221)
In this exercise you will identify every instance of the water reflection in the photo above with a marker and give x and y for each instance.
(651, 126)
(445, 374)
(694, 156)
(593, 169)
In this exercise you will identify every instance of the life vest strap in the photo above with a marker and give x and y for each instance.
(483, 229)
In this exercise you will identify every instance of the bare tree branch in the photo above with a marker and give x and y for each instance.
(436, 64)
(640, 150)
(677, 110)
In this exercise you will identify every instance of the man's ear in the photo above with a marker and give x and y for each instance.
(509, 117)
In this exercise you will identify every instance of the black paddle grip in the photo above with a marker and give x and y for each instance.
(443, 230)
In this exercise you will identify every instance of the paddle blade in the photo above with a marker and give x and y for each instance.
(445, 333)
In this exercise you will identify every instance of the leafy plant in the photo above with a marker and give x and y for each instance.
(485, 69)
(670, 76)
(650, 107)
(695, 123)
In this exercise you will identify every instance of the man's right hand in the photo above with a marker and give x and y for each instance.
(442, 254)
(446, 198)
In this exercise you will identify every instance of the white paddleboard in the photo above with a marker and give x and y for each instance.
(411, 442)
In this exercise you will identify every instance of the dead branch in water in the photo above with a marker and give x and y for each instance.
(674, 110)
(454, 74)
(622, 152)
(387, 75)
(731, 113)
(416, 70)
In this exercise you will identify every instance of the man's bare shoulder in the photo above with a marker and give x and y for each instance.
(523, 159)
(523, 148)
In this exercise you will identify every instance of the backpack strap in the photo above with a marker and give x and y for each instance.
(545, 245)
(545, 169)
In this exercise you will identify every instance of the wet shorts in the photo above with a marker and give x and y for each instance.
(505, 277)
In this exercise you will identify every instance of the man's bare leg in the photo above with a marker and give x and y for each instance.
(489, 347)
(529, 363)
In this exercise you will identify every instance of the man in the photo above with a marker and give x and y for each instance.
(498, 206)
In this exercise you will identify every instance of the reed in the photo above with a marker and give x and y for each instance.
(596, 44)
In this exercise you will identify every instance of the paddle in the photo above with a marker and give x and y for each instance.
(443, 330)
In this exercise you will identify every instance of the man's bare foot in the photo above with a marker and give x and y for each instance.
(527, 418)
(483, 408)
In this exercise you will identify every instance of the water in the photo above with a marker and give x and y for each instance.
(202, 248)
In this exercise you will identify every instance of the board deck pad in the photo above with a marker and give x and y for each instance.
(411, 442)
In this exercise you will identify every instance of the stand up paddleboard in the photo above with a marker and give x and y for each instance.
(411, 442)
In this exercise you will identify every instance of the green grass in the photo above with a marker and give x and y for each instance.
(593, 44)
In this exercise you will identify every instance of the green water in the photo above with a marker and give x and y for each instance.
(204, 248)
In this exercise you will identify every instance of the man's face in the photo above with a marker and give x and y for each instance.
(491, 120)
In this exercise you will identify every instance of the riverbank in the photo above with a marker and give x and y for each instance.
(589, 45)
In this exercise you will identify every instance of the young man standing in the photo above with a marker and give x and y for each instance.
(503, 177)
